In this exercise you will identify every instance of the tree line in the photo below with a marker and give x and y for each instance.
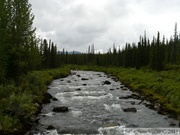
(154, 54)
(21, 51)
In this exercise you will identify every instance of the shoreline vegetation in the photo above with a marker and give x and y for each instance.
(20, 105)
(28, 64)
(161, 87)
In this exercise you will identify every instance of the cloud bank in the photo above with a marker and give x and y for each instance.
(76, 24)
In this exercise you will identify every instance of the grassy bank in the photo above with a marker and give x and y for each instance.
(163, 87)
(19, 103)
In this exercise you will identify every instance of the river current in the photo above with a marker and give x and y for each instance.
(95, 107)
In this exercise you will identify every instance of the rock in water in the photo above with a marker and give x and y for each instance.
(60, 109)
(46, 98)
(50, 127)
(129, 109)
(84, 79)
(55, 99)
(107, 82)
(78, 75)
(68, 81)
(78, 89)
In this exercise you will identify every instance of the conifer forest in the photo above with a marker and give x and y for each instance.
(28, 64)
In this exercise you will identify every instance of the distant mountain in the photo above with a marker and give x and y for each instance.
(72, 52)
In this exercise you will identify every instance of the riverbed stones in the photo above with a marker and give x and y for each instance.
(130, 109)
(55, 99)
(84, 79)
(135, 96)
(133, 102)
(46, 98)
(68, 81)
(78, 89)
(50, 127)
(124, 88)
(107, 82)
(60, 109)
(172, 124)
(162, 112)
(127, 97)
(114, 78)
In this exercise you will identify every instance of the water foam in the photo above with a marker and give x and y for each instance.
(76, 113)
(82, 96)
(48, 132)
(112, 108)
(50, 114)
(121, 130)
(90, 97)
(115, 130)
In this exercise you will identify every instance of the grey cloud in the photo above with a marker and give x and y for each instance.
(117, 8)
(75, 24)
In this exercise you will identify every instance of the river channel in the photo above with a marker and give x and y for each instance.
(96, 105)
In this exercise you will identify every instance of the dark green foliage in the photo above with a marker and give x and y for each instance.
(18, 46)
(19, 103)
(50, 56)
(21, 53)
(155, 55)
(164, 85)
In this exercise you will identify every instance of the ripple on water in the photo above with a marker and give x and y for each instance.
(82, 96)
(76, 113)
(48, 132)
(114, 130)
(95, 108)
(50, 114)
(113, 107)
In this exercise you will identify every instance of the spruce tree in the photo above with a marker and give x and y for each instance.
(4, 11)
(174, 54)
(22, 41)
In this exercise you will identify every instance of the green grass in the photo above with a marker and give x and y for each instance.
(164, 85)
(19, 103)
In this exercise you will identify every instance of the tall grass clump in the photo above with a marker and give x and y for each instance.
(19, 102)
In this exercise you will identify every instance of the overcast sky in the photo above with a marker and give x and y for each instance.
(76, 24)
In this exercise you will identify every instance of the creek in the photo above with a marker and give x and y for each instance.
(96, 103)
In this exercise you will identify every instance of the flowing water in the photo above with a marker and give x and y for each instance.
(95, 108)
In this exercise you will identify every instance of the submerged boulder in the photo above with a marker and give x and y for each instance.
(107, 82)
(55, 99)
(172, 124)
(127, 97)
(60, 109)
(78, 75)
(129, 109)
(135, 96)
(50, 127)
(78, 89)
(84, 79)
(68, 81)
(46, 98)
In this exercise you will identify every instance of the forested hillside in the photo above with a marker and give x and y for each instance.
(21, 53)
(155, 54)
